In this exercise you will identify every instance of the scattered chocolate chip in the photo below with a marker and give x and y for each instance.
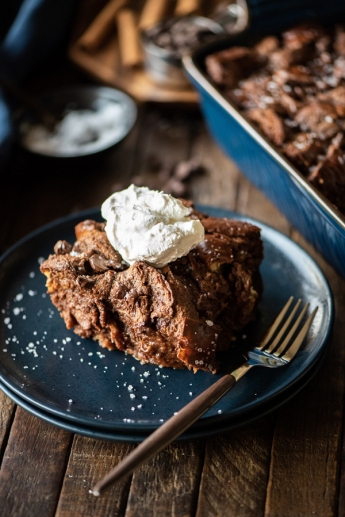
(170, 178)
(175, 188)
(183, 170)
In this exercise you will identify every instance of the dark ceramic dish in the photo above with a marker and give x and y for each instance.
(307, 210)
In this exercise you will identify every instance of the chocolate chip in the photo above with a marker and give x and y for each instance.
(81, 265)
(84, 281)
(98, 263)
(185, 169)
(62, 248)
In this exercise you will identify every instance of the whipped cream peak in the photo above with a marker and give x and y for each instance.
(149, 225)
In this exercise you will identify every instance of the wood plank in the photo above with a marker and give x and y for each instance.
(306, 448)
(219, 185)
(252, 202)
(168, 484)
(7, 409)
(33, 467)
(164, 140)
(236, 470)
(112, 171)
(236, 467)
(305, 457)
(89, 461)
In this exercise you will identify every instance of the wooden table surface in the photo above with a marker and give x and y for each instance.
(287, 463)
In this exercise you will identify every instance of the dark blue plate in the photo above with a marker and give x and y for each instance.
(74, 380)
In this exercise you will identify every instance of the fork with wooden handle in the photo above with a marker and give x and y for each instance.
(278, 348)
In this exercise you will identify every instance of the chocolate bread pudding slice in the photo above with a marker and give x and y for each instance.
(179, 315)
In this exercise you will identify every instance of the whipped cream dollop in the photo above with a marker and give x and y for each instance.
(144, 224)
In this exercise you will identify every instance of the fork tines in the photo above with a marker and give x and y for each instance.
(278, 340)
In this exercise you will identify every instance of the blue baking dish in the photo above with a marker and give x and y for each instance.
(306, 208)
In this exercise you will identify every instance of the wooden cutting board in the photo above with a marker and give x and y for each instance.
(102, 60)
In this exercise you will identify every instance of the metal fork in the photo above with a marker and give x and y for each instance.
(277, 348)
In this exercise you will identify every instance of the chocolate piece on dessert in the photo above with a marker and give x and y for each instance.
(267, 45)
(270, 123)
(339, 43)
(318, 118)
(179, 315)
(303, 150)
(328, 174)
(227, 67)
(337, 97)
(294, 91)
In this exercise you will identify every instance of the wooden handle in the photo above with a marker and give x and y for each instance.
(167, 432)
